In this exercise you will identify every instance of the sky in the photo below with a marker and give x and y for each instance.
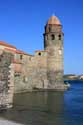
(22, 25)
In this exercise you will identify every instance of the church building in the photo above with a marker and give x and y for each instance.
(22, 72)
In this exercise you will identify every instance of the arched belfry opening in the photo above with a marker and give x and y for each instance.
(59, 36)
(52, 37)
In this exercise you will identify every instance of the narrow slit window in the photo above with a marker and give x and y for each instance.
(21, 57)
(49, 29)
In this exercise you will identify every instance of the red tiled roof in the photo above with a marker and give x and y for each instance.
(11, 50)
(22, 52)
(17, 51)
(6, 44)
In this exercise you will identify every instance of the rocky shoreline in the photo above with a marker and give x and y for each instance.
(73, 77)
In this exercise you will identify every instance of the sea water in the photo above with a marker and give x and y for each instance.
(48, 108)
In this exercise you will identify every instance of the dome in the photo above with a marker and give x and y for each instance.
(54, 20)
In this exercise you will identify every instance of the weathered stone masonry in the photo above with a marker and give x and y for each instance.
(6, 80)
(22, 72)
(53, 43)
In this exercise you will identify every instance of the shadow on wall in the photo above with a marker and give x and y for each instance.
(36, 108)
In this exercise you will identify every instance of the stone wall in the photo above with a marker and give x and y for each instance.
(55, 67)
(6, 79)
(53, 43)
(32, 74)
(41, 71)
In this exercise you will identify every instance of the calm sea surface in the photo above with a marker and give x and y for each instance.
(48, 108)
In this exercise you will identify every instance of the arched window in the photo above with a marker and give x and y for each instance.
(52, 37)
(59, 37)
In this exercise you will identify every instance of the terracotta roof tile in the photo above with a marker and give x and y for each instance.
(6, 44)
(11, 50)
(22, 52)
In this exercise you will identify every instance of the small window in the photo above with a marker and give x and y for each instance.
(59, 37)
(52, 37)
(21, 57)
(39, 54)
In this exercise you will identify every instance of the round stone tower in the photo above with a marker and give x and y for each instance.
(53, 43)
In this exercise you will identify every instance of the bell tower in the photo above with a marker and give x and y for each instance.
(53, 43)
